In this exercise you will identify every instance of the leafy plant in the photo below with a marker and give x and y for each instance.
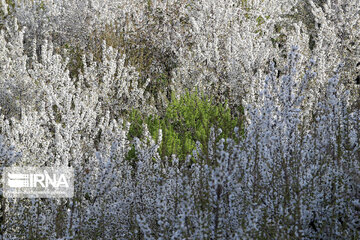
(186, 121)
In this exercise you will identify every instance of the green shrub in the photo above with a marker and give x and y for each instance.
(186, 121)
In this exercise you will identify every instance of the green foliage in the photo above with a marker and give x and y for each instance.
(260, 20)
(135, 130)
(186, 121)
(136, 127)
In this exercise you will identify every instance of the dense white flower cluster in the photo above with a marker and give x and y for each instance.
(294, 172)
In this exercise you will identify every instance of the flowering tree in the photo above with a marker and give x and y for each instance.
(71, 72)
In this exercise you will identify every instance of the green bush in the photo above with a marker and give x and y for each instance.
(186, 121)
